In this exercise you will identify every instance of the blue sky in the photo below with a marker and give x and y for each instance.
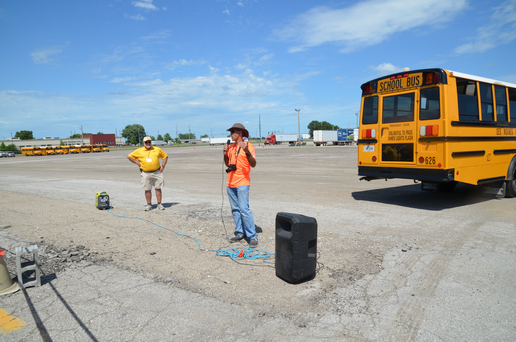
(205, 65)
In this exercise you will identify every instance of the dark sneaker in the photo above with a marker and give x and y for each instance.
(236, 238)
(253, 243)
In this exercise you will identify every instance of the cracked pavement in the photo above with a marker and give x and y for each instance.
(395, 263)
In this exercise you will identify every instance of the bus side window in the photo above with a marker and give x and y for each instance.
(468, 103)
(486, 101)
(512, 104)
(501, 104)
(370, 112)
(430, 105)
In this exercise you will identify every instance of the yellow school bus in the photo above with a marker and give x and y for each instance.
(49, 150)
(75, 149)
(439, 127)
(65, 149)
(105, 148)
(86, 148)
(39, 151)
(96, 148)
(28, 151)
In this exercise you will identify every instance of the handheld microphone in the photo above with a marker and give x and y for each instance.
(229, 142)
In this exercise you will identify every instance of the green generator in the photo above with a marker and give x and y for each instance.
(102, 200)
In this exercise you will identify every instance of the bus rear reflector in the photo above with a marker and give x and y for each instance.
(421, 160)
(374, 158)
(431, 130)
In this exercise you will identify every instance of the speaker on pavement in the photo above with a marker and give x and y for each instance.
(296, 247)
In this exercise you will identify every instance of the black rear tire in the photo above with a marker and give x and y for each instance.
(510, 188)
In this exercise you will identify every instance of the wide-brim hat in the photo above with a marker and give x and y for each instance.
(147, 139)
(240, 127)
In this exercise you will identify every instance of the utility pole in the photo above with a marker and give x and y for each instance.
(357, 118)
(298, 127)
(82, 136)
(260, 126)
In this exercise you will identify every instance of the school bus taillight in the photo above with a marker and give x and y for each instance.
(368, 133)
(431, 78)
(431, 130)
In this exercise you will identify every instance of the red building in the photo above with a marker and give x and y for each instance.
(101, 139)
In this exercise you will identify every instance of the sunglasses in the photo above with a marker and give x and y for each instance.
(147, 142)
(238, 132)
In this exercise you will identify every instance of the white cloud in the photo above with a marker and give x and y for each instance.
(264, 59)
(226, 11)
(121, 79)
(135, 17)
(43, 56)
(183, 62)
(146, 4)
(240, 4)
(365, 23)
(500, 30)
(385, 69)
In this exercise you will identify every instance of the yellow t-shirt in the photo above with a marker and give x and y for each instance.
(240, 177)
(149, 158)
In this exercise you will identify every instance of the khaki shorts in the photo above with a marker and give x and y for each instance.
(152, 179)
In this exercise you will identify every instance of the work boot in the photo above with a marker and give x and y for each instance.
(236, 238)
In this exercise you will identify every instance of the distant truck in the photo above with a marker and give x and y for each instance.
(219, 141)
(275, 139)
(342, 136)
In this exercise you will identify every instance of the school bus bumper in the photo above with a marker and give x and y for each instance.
(424, 175)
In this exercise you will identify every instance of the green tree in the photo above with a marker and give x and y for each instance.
(61, 143)
(159, 137)
(178, 141)
(2, 146)
(100, 133)
(75, 136)
(152, 138)
(167, 137)
(11, 147)
(186, 136)
(134, 134)
(205, 136)
(24, 135)
(317, 125)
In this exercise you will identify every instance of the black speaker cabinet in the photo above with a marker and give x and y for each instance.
(296, 247)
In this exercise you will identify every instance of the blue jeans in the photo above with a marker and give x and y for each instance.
(242, 215)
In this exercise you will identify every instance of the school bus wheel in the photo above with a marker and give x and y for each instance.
(511, 184)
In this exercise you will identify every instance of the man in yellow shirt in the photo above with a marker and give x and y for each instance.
(239, 158)
(147, 158)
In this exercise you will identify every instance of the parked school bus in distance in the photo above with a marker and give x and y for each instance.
(105, 148)
(75, 149)
(65, 149)
(439, 127)
(39, 151)
(28, 151)
(96, 148)
(86, 148)
(49, 150)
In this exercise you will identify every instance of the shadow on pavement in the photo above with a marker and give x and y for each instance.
(47, 279)
(412, 196)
